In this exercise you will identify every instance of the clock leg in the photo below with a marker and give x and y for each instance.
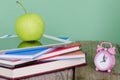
(96, 69)
(109, 70)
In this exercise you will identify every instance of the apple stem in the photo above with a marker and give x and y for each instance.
(22, 6)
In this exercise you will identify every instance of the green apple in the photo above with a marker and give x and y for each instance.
(30, 26)
(25, 44)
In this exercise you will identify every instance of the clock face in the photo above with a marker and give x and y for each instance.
(103, 61)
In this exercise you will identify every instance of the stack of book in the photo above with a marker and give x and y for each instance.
(24, 62)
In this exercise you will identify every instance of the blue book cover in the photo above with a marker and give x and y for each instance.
(28, 53)
(13, 47)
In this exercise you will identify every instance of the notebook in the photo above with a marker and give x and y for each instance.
(16, 48)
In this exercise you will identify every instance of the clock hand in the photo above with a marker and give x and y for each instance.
(103, 58)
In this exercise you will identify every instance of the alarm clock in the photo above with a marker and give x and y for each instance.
(105, 57)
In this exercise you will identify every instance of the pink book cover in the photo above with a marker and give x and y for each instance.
(59, 51)
(70, 55)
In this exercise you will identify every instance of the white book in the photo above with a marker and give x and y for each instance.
(40, 68)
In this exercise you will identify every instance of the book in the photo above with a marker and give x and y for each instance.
(40, 68)
(70, 55)
(13, 62)
(59, 51)
(28, 53)
(9, 63)
(13, 48)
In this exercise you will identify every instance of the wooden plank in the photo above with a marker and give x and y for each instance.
(61, 75)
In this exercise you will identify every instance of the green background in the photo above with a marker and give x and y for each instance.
(77, 19)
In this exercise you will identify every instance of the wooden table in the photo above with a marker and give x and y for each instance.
(86, 72)
(60, 75)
